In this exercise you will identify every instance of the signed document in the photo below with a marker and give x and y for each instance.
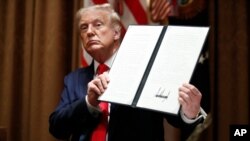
(152, 63)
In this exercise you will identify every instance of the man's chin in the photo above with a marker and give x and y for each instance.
(93, 49)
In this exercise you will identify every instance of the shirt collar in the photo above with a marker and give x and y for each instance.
(109, 62)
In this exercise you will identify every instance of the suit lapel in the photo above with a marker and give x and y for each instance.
(85, 76)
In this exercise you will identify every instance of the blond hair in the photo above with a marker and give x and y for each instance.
(115, 19)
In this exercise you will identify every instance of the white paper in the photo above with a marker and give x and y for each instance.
(130, 63)
(174, 65)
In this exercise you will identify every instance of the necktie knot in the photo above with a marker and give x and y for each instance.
(102, 68)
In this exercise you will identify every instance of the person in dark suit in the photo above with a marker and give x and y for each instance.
(79, 112)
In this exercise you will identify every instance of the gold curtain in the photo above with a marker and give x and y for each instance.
(38, 46)
(229, 65)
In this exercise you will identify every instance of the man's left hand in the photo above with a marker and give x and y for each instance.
(190, 98)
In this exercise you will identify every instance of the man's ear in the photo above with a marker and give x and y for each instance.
(117, 34)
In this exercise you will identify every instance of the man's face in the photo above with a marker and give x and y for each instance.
(97, 32)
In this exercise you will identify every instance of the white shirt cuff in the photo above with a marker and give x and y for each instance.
(95, 111)
(187, 120)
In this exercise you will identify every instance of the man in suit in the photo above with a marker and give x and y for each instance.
(79, 112)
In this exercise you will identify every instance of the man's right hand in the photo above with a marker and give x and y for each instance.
(96, 88)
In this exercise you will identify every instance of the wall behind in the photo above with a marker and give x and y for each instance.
(38, 46)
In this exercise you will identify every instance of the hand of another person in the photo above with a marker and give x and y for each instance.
(96, 87)
(190, 98)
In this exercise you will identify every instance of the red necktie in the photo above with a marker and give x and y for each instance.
(99, 133)
(101, 69)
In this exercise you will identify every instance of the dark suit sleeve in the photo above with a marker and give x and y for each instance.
(177, 121)
(72, 116)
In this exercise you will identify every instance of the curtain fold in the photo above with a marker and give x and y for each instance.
(229, 47)
(39, 46)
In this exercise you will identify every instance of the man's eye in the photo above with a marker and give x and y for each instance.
(83, 28)
(98, 24)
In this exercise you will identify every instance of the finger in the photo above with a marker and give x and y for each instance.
(185, 90)
(185, 97)
(188, 91)
(93, 89)
(193, 90)
(92, 95)
(104, 83)
(104, 80)
(98, 82)
(182, 102)
(106, 76)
